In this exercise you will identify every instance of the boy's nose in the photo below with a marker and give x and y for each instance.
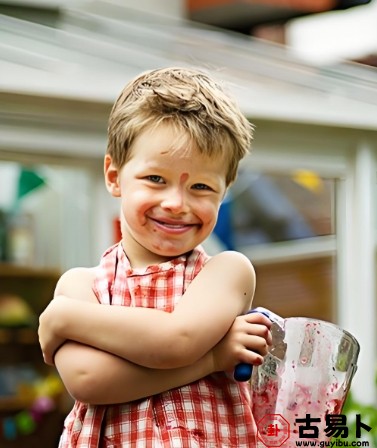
(175, 201)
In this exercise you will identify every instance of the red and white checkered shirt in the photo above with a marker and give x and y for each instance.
(214, 412)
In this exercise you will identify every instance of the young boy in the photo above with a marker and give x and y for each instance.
(150, 372)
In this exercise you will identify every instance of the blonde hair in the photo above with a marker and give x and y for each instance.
(192, 102)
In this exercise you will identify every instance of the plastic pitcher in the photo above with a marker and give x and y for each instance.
(305, 376)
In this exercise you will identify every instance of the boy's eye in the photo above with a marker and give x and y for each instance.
(201, 187)
(155, 178)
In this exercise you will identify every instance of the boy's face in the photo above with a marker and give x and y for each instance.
(170, 196)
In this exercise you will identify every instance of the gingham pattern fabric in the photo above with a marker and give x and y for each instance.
(213, 412)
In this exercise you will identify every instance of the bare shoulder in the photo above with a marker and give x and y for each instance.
(76, 281)
(229, 274)
(77, 274)
(234, 262)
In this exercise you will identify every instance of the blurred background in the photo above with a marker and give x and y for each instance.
(303, 208)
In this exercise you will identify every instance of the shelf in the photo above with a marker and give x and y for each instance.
(14, 270)
(25, 336)
(21, 359)
(20, 346)
(34, 285)
(8, 404)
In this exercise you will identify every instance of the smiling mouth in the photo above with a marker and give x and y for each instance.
(172, 225)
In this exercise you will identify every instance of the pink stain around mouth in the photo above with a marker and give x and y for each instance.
(172, 227)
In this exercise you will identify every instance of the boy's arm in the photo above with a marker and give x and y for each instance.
(221, 291)
(96, 377)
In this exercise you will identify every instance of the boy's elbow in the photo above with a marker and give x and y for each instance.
(178, 352)
(77, 371)
(173, 348)
(187, 352)
(79, 384)
(82, 390)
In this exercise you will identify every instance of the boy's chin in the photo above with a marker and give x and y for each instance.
(174, 253)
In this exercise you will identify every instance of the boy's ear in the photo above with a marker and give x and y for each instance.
(111, 176)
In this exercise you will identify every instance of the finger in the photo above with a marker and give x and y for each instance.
(253, 358)
(258, 318)
(50, 361)
(261, 331)
(256, 344)
(45, 359)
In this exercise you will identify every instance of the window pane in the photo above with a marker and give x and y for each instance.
(269, 207)
(44, 215)
(265, 209)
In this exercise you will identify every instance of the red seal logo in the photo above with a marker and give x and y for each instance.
(273, 430)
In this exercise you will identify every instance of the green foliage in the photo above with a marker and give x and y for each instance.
(368, 415)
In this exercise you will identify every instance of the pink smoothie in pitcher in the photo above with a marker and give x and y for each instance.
(306, 376)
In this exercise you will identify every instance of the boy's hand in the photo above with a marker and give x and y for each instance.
(49, 338)
(247, 342)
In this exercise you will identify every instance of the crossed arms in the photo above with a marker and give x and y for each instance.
(109, 354)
